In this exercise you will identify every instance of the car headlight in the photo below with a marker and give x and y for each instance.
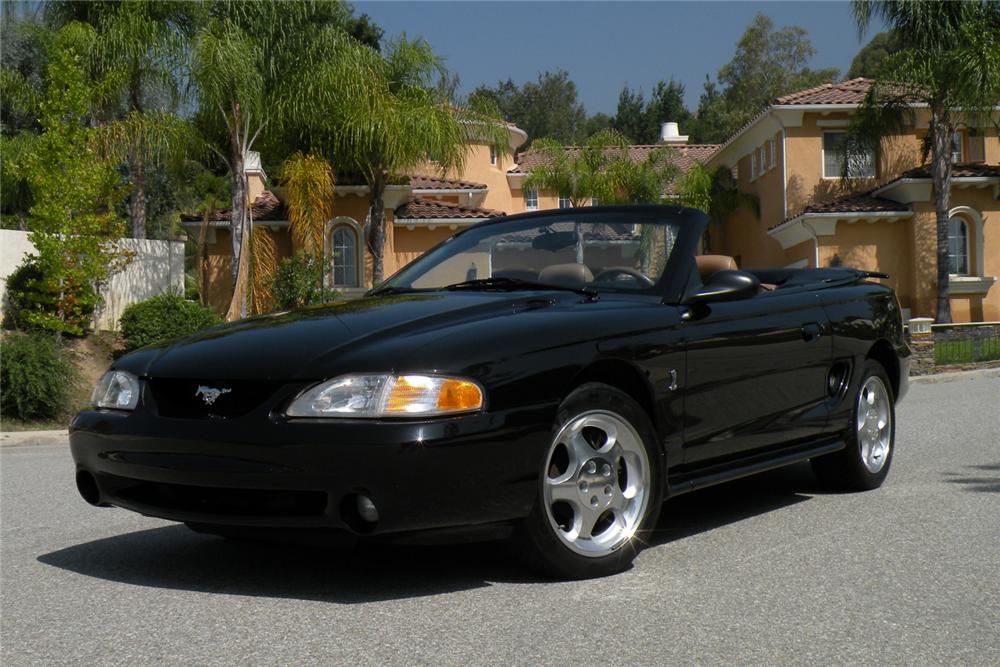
(388, 396)
(118, 390)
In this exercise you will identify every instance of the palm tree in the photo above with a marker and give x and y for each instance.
(400, 121)
(950, 63)
(263, 67)
(581, 174)
(141, 51)
(716, 193)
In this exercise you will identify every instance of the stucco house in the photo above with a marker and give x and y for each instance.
(880, 216)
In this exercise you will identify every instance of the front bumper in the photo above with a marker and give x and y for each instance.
(443, 473)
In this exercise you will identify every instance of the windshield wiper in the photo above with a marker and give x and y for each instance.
(510, 284)
(390, 289)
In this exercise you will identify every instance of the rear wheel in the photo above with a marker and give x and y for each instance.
(864, 463)
(599, 489)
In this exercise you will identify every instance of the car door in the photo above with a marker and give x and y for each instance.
(756, 372)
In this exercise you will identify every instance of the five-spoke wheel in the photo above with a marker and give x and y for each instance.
(597, 483)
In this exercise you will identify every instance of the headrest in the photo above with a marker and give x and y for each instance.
(566, 275)
(709, 264)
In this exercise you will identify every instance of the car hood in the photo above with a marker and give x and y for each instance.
(373, 334)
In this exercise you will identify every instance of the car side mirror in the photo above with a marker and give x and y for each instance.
(726, 285)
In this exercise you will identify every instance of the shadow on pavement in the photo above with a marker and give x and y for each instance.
(173, 557)
(979, 481)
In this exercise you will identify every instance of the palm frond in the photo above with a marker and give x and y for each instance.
(309, 193)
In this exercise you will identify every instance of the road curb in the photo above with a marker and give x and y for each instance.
(956, 376)
(22, 438)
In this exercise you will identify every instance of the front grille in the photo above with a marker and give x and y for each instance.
(210, 399)
(216, 501)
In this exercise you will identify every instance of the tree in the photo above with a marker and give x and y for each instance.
(580, 174)
(873, 55)
(768, 63)
(264, 68)
(395, 122)
(141, 49)
(949, 61)
(666, 103)
(710, 123)
(598, 122)
(546, 108)
(716, 193)
(72, 219)
(630, 117)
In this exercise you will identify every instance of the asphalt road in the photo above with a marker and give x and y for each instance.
(763, 571)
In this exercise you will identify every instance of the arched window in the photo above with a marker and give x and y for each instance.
(344, 255)
(958, 246)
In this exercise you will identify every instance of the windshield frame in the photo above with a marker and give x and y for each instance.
(690, 224)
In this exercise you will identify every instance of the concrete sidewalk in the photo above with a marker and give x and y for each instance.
(20, 438)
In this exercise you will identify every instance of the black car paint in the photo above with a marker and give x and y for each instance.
(733, 387)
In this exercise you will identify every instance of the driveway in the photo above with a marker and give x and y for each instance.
(766, 570)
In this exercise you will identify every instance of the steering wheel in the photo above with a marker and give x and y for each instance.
(609, 276)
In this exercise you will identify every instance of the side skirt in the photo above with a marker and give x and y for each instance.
(699, 479)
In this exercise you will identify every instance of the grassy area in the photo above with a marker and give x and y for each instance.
(966, 351)
(12, 425)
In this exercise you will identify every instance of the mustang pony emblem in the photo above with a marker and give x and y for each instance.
(211, 394)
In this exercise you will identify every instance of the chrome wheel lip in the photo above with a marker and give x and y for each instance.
(576, 485)
(873, 424)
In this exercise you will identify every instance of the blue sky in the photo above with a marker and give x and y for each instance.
(604, 45)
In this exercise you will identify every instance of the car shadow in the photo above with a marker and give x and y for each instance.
(173, 557)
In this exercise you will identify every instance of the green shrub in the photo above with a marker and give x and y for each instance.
(36, 377)
(38, 303)
(161, 318)
(298, 282)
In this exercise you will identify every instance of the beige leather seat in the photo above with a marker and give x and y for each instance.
(709, 264)
(566, 275)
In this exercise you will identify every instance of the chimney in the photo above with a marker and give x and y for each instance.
(256, 178)
(671, 136)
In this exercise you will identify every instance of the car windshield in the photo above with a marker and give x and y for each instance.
(586, 252)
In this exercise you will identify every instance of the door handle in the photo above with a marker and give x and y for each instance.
(811, 331)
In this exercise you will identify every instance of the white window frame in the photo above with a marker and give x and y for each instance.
(564, 202)
(965, 252)
(352, 227)
(493, 156)
(531, 200)
(957, 155)
(873, 160)
(771, 150)
(753, 165)
(595, 201)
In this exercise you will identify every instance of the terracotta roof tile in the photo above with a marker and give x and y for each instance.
(684, 156)
(432, 183)
(265, 207)
(864, 202)
(419, 208)
(851, 91)
(970, 170)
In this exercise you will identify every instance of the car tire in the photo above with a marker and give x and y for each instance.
(600, 487)
(864, 463)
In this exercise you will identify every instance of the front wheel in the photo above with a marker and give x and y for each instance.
(599, 488)
(864, 463)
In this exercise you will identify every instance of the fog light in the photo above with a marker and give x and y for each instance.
(366, 509)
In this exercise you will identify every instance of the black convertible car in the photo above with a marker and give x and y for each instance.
(551, 377)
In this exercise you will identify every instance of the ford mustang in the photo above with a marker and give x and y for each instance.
(551, 378)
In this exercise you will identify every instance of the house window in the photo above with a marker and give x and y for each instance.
(344, 256)
(530, 200)
(956, 147)
(958, 247)
(764, 164)
(753, 166)
(859, 165)
(594, 201)
(564, 202)
(770, 149)
(493, 155)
